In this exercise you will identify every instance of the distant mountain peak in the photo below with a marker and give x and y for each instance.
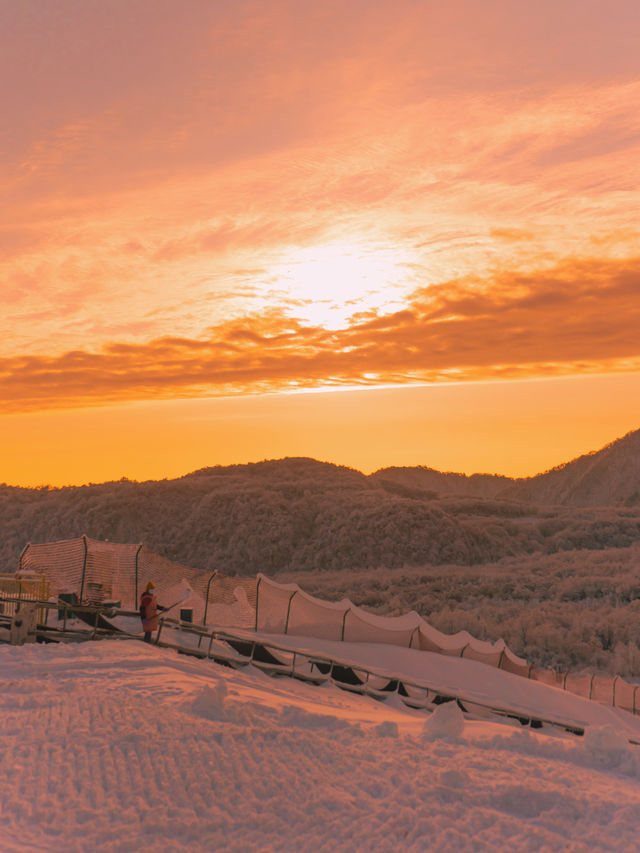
(609, 476)
(605, 477)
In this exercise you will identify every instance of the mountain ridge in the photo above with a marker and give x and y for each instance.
(604, 477)
(622, 456)
(299, 514)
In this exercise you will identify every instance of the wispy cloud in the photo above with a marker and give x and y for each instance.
(581, 316)
(163, 168)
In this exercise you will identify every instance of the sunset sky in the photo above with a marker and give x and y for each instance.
(375, 233)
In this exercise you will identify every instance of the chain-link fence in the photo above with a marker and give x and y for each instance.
(100, 571)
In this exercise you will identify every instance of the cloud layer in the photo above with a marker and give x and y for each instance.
(573, 318)
(182, 188)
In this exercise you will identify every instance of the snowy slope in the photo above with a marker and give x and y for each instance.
(466, 679)
(119, 746)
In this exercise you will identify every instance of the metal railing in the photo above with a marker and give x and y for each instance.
(299, 664)
(79, 621)
(16, 588)
(240, 649)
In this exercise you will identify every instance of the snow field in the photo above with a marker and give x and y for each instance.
(117, 746)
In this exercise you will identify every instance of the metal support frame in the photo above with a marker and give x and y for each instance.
(84, 567)
(22, 553)
(206, 602)
(255, 628)
(136, 571)
(286, 621)
(344, 622)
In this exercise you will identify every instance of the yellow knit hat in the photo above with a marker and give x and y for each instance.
(149, 586)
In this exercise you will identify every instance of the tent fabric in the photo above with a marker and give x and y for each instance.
(287, 609)
(625, 695)
(512, 663)
(579, 683)
(310, 616)
(361, 627)
(602, 689)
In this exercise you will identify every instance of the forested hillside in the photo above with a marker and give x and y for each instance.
(441, 483)
(303, 515)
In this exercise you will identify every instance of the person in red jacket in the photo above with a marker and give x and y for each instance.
(149, 610)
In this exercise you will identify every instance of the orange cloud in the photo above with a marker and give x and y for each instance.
(579, 317)
(160, 168)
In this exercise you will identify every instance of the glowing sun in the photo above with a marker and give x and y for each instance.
(330, 283)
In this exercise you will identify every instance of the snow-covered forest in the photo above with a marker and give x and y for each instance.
(304, 516)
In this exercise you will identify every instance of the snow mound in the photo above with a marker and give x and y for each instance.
(210, 702)
(607, 746)
(296, 717)
(453, 778)
(387, 729)
(447, 721)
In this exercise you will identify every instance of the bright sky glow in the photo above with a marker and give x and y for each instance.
(333, 283)
(255, 197)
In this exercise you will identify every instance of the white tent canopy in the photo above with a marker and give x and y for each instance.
(287, 609)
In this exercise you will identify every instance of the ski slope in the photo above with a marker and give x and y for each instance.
(120, 746)
(479, 687)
